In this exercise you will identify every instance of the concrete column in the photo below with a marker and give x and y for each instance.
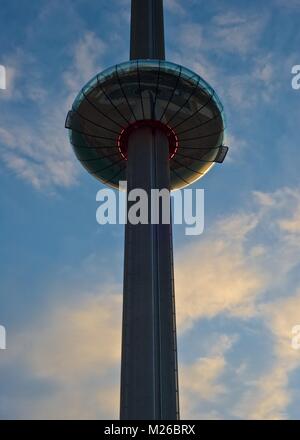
(149, 383)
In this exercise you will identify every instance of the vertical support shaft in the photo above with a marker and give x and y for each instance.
(149, 377)
(149, 384)
(147, 39)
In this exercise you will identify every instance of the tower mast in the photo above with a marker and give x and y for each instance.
(147, 39)
(149, 382)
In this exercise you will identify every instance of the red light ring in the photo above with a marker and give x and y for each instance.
(122, 141)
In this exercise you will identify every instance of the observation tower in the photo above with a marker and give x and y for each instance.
(157, 125)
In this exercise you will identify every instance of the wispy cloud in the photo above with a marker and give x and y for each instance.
(175, 6)
(292, 4)
(74, 349)
(87, 55)
(201, 380)
(271, 394)
(221, 259)
(236, 33)
(242, 269)
(38, 150)
(230, 256)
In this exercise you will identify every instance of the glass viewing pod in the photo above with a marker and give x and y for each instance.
(154, 93)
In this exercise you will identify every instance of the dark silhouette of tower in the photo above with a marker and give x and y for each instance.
(149, 384)
(159, 126)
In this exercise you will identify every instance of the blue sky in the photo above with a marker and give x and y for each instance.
(61, 273)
